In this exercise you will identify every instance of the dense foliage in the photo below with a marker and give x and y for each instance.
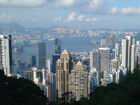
(15, 91)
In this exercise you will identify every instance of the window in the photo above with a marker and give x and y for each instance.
(62, 66)
(67, 66)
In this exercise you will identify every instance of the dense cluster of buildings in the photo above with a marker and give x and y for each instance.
(71, 76)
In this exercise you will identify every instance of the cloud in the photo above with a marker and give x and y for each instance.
(37, 3)
(65, 3)
(80, 18)
(127, 11)
(74, 17)
(22, 3)
(95, 6)
(59, 18)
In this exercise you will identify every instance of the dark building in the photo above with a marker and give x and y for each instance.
(42, 55)
(55, 57)
(21, 67)
(33, 60)
(57, 47)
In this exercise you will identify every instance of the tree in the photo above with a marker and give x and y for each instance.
(15, 91)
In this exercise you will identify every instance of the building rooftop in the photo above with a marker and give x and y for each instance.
(104, 48)
(65, 52)
(79, 63)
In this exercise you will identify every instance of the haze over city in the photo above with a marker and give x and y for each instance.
(81, 14)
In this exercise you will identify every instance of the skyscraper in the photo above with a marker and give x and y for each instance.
(104, 59)
(33, 60)
(93, 79)
(124, 53)
(62, 74)
(138, 53)
(94, 60)
(129, 39)
(56, 54)
(55, 57)
(128, 53)
(42, 55)
(57, 44)
(133, 52)
(117, 49)
(78, 82)
(91, 60)
(6, 54)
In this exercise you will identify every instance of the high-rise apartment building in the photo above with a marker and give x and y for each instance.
(42, 55)
(62, 75)
(78, 82)
(115, 63)
(6, 54)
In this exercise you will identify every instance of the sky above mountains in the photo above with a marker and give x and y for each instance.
(83, 14)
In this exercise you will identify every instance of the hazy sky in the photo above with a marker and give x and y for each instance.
(73, 13)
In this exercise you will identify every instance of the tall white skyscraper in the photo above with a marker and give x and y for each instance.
(6, 54)
(91, 60)
(137, 52)
(117, 50)
(133, 52)
(128, 53)
(124, 53)
(129, 39)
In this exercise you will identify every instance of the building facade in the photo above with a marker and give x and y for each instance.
(128, 53)
(62, 75)
(6, 54)
(42, 55)
(104, 59)
(78, 82)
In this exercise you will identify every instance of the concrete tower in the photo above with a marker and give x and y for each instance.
(124, 53)
(62, 74)
(42, 55)
(6, 54)
(104, 59)
(78, 82)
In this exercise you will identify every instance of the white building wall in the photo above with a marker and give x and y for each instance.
(133, 58)
(124, 53)
(5, 54)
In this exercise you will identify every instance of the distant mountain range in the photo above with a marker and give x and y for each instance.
(15, 28)
(12, 28)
